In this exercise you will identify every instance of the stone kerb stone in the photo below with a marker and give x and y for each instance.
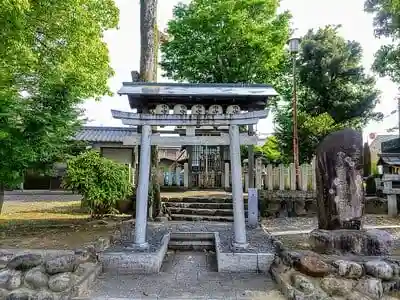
(31, 275)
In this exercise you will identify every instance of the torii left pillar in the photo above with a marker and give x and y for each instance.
(142, 195)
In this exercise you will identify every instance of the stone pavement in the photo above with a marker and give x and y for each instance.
(187, 275)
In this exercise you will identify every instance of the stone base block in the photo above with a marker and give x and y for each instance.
(132, 261)
(362, 242)
(241, 261)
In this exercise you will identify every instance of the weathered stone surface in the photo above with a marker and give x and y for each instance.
(354, 295)
(302, 283)
(380, 242)
(4, 276)
(20, 294)
(60, 282)
(379, 269)
(84, 268)
(313, 265)
(3, 293)
(82, 255)
(36, 279)
(336, 286)
(25, 261)
(340, 191)
(44, 295)
(371, 242)
(395, 266)
(66, 263)
(391, 286)
(15, 280)
(349, 269)
(371, 287)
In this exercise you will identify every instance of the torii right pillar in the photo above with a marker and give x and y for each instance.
(240, 240)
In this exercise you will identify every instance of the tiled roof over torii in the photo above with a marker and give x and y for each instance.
(247, 96)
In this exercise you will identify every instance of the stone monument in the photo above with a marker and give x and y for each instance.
(340, 194)
(356, 263)
(340, 199)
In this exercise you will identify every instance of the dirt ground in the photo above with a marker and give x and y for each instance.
(51, 225)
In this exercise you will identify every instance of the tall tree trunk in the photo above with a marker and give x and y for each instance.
(1, 197)
(148, 73)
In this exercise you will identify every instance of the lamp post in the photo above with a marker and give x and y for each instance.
(294, 47)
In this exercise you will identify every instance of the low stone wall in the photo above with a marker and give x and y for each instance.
(304, 204)
(46, 276)
(287, 203)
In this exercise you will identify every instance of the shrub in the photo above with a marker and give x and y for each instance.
(101, 182)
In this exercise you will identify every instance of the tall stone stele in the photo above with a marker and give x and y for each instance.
(340, 192)
(340, 199)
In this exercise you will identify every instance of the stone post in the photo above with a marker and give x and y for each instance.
(178, 175)
(186, 175)
(313, 175)
(304, 177)
(281, 177)
(258, 173)
(239, 225)
(226, 175)
(170, 176)
(292, 172)
(143, 188)
(392, 205)
(270, 178)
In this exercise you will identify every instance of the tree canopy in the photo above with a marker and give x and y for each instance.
(386, 25)
(52, 57)
(226, 41)
(333, 92)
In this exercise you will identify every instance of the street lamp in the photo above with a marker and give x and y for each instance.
(294, 47)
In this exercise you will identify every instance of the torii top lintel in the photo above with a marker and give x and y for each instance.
(148, 95)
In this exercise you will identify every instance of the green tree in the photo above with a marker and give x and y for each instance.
(386, 25)
(311, 131)
(333, 92)
(52, 56)
(270, 150)
(100, 181)
(226, 41)
(333, 79)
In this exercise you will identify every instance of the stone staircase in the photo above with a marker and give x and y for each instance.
(218, 209)
(192, 241)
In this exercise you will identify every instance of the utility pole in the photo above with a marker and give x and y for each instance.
(294, 45)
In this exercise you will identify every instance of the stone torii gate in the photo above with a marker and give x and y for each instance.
(159, 97)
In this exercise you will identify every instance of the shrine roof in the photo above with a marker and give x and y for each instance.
(148, 94)
(104, 134)
(391, 159)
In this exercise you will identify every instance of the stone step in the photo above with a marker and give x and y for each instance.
(199, 199)
(199, 205)
(180, 217)
(191, 245)
(201, 211)
(192, 236)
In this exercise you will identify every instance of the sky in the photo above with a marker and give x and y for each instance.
(124, 47)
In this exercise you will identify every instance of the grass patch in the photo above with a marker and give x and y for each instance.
(51, 225)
